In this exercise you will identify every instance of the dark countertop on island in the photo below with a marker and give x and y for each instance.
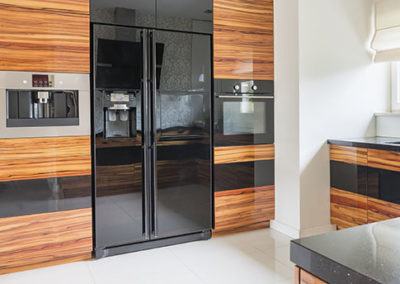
(363, 254)
(381, 143)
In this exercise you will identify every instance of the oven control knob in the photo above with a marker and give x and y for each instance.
(236, 87)
(254, 88)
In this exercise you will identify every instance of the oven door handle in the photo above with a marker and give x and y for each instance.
(244, 97)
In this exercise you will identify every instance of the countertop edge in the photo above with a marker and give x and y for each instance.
(368, 145)
(325, 268)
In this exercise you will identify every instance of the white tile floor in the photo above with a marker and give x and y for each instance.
(260, 256)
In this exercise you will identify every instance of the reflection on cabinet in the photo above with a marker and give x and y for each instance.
(243, 39)
(44, 36)
(45, 204)
(364, 185)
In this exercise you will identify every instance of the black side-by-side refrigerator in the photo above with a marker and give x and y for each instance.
(151, 134)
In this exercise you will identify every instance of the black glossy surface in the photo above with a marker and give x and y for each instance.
(25, 197)
(363, 254)
(382, 143)
(384, 185)
(243, 175)
(349, 177)
(241, 121)
(157, 183)
(181, 15)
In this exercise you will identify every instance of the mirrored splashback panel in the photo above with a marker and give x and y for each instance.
(44, 104)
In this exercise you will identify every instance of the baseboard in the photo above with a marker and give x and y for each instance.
(295, 233)
(285, 229)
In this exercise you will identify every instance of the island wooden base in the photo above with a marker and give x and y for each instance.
(303, 277)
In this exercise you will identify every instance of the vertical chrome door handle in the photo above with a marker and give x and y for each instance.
(154, 127)
(145, 138)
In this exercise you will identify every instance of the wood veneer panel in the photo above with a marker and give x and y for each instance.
(243, 207)
(236, 154)
(39, 148)
(308, 278)
(296, 274)
(35, 158)
(45, 239)
(45, 35)
(23, 169)
(380, 210)
(350, 155)
(348, 209)
(383, 159)
(243, 39)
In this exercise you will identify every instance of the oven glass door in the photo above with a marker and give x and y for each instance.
(244, 121)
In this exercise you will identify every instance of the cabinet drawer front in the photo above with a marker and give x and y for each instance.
(348, 209)
(382, 159)
(380, 210)
(244, 207)
(350, 155)
(236, 154)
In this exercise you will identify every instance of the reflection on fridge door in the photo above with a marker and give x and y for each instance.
(152, 134)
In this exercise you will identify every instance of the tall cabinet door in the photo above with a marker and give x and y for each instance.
(119, 191)
(181, 89)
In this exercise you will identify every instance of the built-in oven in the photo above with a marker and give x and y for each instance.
(244, 112)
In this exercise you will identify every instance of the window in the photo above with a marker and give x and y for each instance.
(396, 87)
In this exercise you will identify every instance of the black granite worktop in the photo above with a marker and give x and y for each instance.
(382, 143)
(363, 254)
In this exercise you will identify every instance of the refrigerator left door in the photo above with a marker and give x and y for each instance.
(120, 199)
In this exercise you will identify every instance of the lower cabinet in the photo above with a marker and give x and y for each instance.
(364, 185)
(244, 209)
(244, 187)
(303, 277)
(45, 202)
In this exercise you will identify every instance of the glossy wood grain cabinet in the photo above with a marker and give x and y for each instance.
(45, 36)
(364, 185)
(45, 202)
(243, 39)
(303, 277)
(244, 184)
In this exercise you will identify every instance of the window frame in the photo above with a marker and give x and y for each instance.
(396, 87)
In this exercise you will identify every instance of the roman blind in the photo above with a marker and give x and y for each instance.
(386, 41)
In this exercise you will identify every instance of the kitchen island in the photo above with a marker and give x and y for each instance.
(364, 254)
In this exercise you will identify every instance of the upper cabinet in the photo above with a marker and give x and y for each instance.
(180, 15)
(45, 36)
(243, 39)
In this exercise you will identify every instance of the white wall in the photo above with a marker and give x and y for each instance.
(287, 174)
(339, 90)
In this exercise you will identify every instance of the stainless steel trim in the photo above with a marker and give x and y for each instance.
(143, 36)
(154, 134)
(244, 97)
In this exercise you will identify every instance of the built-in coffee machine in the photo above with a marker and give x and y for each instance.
(119, 115)
(44, 104)
(42, 108)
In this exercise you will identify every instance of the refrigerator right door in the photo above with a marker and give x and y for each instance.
(181, 97)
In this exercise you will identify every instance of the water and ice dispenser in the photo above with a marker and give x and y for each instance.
(119, 115)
